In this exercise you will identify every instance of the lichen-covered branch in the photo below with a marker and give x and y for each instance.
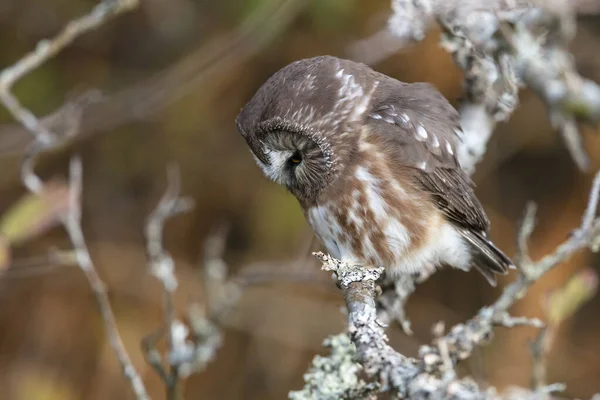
(463, 338)
(502, 46)
(432, 375)
(335, 376)
(161, 265)
(392, 371)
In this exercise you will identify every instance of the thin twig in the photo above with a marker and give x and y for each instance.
(394, 301)
(163, 268)
(592, 206)
(539, 352)
(465, 337)
(47, 49)
(145, 99)
(54, 261)
(72, 224)
(152, 355)
(522, 258)
(44, 139)
(573, 140)
(508, 321)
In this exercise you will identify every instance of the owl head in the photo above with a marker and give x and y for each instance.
(302, 122)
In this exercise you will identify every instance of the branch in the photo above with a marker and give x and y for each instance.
(72, 224)
(463, 338)
(502, 46)
(71, 221)
(335, 376)
(47, 49)
(432, 375)
(43, 140)
(161, 265)
(145, 99)
(393, 372)
(393, 300)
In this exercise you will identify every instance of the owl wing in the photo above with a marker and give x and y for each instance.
(423, 130)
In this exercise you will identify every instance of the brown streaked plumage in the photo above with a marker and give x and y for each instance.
(373, 163)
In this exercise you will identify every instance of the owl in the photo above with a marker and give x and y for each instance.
(373, 164)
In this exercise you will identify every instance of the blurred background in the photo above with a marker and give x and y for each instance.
(174, 75)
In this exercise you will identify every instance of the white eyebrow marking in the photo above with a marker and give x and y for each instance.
(435, 142)
(340, 73)
(404, 117)
(376, 116)
(449, 147)
(421, 131)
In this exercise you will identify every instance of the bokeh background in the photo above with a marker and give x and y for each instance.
(174, 75)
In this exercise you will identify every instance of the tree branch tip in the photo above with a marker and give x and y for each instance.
(348, 273)
(591, 210)
(524, 232)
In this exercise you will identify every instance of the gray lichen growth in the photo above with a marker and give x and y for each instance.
(335, 376)
(348, 273)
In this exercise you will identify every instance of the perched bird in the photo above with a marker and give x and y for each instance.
(373, 164)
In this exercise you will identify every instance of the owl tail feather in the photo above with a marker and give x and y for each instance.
(487, 258)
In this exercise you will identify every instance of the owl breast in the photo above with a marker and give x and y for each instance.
(379, 221)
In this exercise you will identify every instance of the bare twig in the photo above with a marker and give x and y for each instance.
(222, 293)
(592, 206)
(508, 321)
(45, 50)
(539, 352)
(170, 205)
(44, 139)
(72, 224)
(465, 337)
(522, 257)
(193, 346)
(153, 356)
(162, 267)
(569, 132)
(146, 98)
(394, 301)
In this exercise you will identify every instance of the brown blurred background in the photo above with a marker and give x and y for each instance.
(175, 73)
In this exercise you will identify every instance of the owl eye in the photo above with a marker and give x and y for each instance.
(296, 158)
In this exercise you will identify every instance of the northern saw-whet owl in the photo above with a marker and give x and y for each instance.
(373, 164)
